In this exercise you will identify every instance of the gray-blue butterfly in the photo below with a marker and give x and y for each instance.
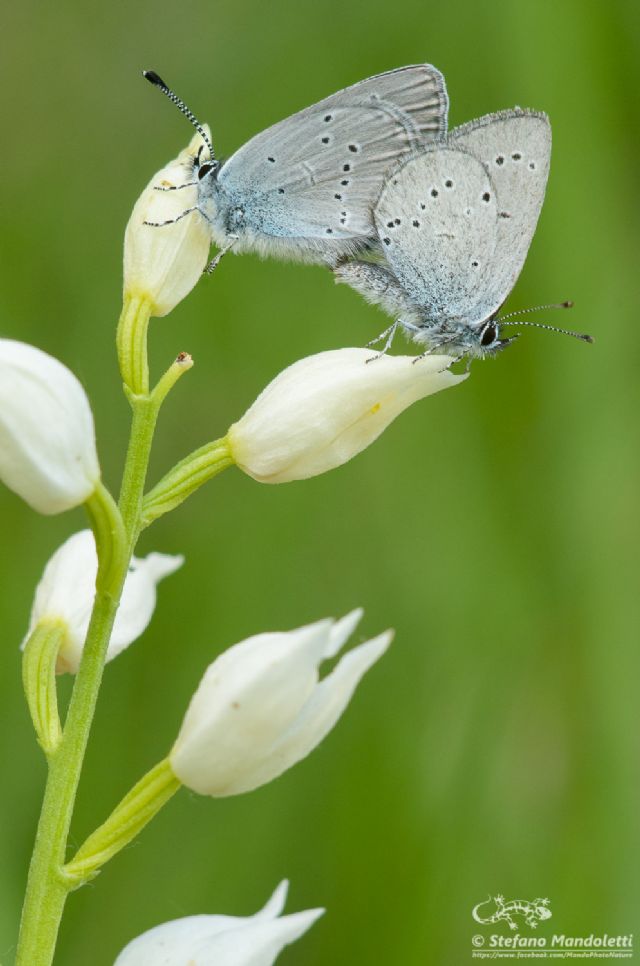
(305, 188)
(456, 222)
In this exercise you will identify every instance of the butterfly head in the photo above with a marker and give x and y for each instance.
(489, 341)
(205, 169)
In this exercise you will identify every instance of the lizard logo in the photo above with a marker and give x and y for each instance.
(533, 912)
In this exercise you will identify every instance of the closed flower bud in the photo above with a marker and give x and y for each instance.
(67, 588)
(47, 439)
(162, 264)
(221, 940)
(323, 410)
(260, 707)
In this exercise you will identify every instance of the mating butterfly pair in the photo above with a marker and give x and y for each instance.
(444, 220)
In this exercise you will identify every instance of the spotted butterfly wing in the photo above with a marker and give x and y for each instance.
(437, 220)
(417, 90)
(317, 174)
(456, 222)
(515, 149)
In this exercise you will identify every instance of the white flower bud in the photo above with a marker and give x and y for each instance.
(260, 708)
(67, 588)
(47, 439)
(221, 940)
(162, 264)
(323, 410)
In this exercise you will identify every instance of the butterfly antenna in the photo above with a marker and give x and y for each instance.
(550, 328)
(157, 81)
(537, 308)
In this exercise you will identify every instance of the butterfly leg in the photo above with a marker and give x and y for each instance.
(430, 351)
(213, 264)
(389, 333)
(174, 187)
(171, 221)
(382, 336)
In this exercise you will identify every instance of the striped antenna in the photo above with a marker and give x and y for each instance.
(538, 325)
(157, 81)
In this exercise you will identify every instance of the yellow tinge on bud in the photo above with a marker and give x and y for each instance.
(323, 410)
(164, 260)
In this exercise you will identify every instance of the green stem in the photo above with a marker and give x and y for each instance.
(126, 821)
(39, 679)
(131, 341)
(47, 885)
(184, 478)
(145, 415)
(182, 364)
(108, 530)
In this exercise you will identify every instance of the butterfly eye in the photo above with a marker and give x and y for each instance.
(204, 170)
(489, 335)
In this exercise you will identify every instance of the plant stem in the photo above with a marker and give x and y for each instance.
(47, 888)
(185, 478)
(39, 680)
(131, 342)
(127, 820)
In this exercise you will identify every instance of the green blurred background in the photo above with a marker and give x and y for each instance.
(495, 750)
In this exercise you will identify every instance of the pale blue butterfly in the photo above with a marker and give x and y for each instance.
(455, 222)
(305, 188)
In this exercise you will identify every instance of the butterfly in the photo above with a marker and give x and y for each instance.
(304, 188)
(455, 222)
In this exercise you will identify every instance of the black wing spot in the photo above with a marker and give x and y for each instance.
(273, 160)
(389, 224)
(500, 159)
(474, 264)
(354, 148)
(343, 221)
(397, 221)
(434, 192)
(486, 197)
(532, 165)
(516, 156)
(415, 223)
(345, 181)
(329, 231)
(422, 205)
(338, 197)
(346, 167)
(387, 241)
(325, 140)
(504, 214)
(448, 183)
(468, 212)
(344, 214)
(328, 117)
(280, 191)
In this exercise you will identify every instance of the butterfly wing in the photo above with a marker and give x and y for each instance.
(437, 218)
(318, 173)
(418, 91)
(515, 149)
